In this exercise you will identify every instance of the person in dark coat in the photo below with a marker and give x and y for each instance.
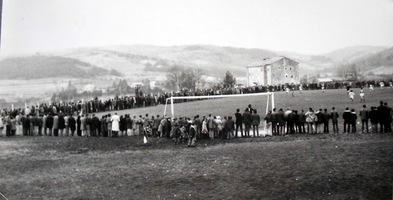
(156, 124)
(247, 122)
(334, 116)
(104, 126)
(274, 120)
(320, 121)
(384, 116)
(353, 118)
(32, 124)
(96, 126)
(290, 122)
(92, 125)
(49, 124)
(373, 115)
(40, 124)
(388, 118)
(347, 120)
(25, 125)
(167, 128)
(72, 124)
(296, 121)
(230, 127)
(239, 123)
(198, 125)
(61, 124)
(281, 122)
(122, 126)
(364, 116)
(268, 119)
(301, 122)
(78, 128)
(255, 120)
(326, 118)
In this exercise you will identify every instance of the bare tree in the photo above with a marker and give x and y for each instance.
(180, 77)
(173, 77)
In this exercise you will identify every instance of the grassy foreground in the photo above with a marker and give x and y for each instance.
(350, 166)
(326, 166)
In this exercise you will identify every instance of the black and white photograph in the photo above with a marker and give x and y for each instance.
(196, 99)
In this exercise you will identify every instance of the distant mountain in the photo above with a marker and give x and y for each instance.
(40, 66)
(131, 60)
(353, 53)
(138, 62)
(330, 63)
(379, 63)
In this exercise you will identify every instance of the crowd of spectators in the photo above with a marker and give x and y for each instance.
(311, 121)
(143, 100)
(79, 119)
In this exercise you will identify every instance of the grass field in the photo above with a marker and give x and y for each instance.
(313, 98)
(325, 166)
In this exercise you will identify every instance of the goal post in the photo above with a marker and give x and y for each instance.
(270, 97)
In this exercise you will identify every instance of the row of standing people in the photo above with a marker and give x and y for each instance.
(318, 121)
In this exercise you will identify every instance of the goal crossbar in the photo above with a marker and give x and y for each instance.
(269, 94)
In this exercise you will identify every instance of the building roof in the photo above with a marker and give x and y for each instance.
(267, 61)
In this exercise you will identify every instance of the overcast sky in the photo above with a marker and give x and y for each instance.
(304, 26)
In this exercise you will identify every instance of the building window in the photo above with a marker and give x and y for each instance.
(291, 76)
(290, 68)
(286, 68)
(286, 75)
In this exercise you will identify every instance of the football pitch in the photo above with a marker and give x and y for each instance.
(322, 166)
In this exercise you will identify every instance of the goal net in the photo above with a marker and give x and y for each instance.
(265, 102)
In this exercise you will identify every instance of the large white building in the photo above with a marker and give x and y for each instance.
(273, 71)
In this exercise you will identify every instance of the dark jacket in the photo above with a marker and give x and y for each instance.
(239, 118)
(255, 119)
(280, 118)
(347, 116)
(72, 123)
(49, 121)
(247, 118)
(334, 116)
(61, 122)
(230, 125)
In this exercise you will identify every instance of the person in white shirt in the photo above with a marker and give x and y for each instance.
(351, 95)
(371, 88)
(382, 84)
(361, 94)
(115, 119)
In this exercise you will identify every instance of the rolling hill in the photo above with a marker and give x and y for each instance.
(379, 63)
(41, 66)
(137, 62)
(350, 54)
(131, 59)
